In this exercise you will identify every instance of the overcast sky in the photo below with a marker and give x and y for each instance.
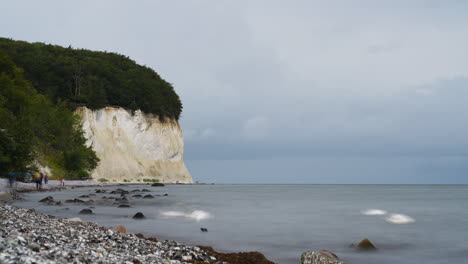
(291, 91)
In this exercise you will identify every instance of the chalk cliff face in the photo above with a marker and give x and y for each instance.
(134, 147)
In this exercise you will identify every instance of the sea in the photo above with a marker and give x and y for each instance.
(407, 223)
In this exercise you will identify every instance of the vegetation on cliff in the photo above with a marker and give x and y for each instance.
(92, 78)
(33, 128)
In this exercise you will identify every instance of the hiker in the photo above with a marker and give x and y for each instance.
(62, 182)
(46, 178)
(27, 177)
(11, 178)
(37, 179)
(42, 178)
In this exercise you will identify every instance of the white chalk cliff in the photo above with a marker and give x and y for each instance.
(134, 147)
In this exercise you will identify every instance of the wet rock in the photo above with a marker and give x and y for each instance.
(152, 239)
(47, 199)
(329, 254)
(145, 190)
(101, 191)
(123, 199)
(165, 194)
(157, 184)
(365, 244)
(324, 257)
(75, 201)
(121, 229)
(139, 215)
(124, 206)
(148, 196)
(84, 196)
(137, 190)
(237, 258)
(86, 211)
(139, 235)
(203, 229)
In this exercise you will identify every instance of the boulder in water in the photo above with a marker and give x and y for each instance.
(204, 229)
(137, 196)
(86, 211)
(124, 206)
(157, 184)
(139, 215)
(47, 199)
(148, 196)
(365, 244)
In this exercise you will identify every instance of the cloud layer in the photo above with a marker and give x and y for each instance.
(275, 79)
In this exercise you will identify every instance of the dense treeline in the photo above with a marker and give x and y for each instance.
(94, 79)
(35, 129)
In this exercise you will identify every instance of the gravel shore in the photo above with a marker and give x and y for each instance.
(30, 237)
(51, 185)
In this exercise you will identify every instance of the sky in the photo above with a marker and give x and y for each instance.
(291, 91)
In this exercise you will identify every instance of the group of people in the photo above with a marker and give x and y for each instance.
(39, 178)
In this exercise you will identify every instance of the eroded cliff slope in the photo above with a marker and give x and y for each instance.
(134, 147)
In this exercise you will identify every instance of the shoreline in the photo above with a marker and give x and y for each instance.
(206, 251)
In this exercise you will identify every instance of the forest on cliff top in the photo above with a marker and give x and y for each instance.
(93, 78)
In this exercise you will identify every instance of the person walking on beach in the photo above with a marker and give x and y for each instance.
(12, 178)
(42, 179)
(27, 177)
(37, 179)
(62, 182)
(46, 178)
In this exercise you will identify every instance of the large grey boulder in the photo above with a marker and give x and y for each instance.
(323, 257)
(5, 197)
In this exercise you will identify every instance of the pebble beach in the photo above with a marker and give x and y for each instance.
(30, 237)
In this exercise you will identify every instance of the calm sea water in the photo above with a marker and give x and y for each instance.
(282, 221)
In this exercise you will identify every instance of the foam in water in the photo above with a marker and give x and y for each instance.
(199, 215)
(196, 215)
(399, 219)
(374, 212)
(172, 213)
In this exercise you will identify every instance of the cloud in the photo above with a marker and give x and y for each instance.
(208, 133)
(256, 128)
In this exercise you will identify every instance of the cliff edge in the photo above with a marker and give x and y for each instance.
(134, 147)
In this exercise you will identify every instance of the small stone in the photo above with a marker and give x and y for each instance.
(157, 184)
(34, 247)
(73, 219)
(121, 229)
(203, 229)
